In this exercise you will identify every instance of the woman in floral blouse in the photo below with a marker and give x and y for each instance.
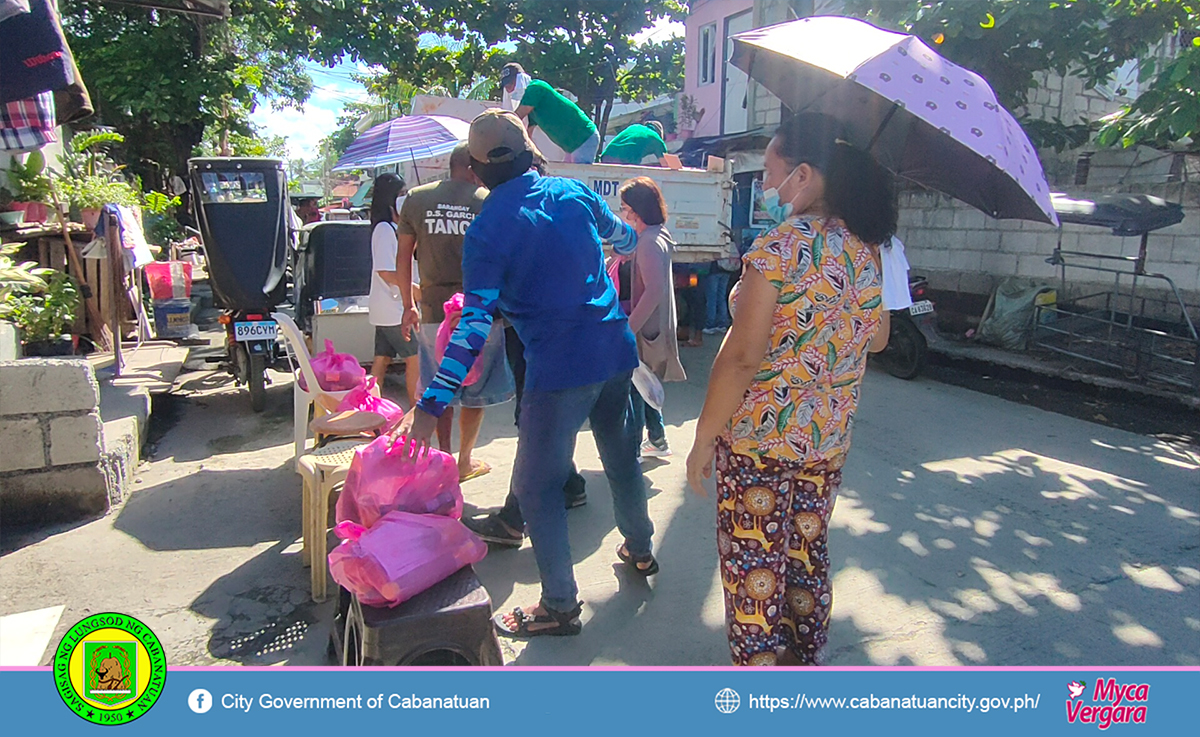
(785, 386)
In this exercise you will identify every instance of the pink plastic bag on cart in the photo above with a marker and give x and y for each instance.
(336, 372)
(401, 555)
(453, 308)
(381, 480)
(365, 398)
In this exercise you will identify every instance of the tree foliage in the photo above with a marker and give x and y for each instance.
(163, 78)
(1009, 42)
(1168, 111)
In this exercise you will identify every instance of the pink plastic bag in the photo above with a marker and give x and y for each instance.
(401, 555)
(365, 398)
(169, 279)
(453, 313)
(381, 480)
(336, 372)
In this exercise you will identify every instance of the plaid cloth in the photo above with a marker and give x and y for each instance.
(29, 124)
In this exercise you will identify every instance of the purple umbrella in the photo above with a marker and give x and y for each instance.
(409, 138)
(925, 118)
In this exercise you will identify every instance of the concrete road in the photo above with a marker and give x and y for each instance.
(970, 531)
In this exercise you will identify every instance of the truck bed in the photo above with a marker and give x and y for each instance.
(698, 202)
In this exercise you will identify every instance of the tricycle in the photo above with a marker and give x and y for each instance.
(242, 210)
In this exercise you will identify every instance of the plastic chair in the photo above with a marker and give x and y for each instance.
(303, 399)
(321, 471)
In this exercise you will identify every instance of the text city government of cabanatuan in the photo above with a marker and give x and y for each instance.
(391, 701)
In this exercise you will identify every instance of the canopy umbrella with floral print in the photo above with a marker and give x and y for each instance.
(927, 119)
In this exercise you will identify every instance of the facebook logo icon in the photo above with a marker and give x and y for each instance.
(200, 701)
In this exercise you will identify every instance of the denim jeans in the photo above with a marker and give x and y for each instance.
(694, 298)
(648, 417)
(510, 513)
(550, 421)
(716, 298)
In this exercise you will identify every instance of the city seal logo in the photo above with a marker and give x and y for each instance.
(110, 669)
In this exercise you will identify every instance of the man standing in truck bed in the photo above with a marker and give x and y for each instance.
(564, 123)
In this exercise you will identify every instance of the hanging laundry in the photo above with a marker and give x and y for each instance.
(27, 125)
(9, 8)
(73, 103)
(129, 230)
(34, 56)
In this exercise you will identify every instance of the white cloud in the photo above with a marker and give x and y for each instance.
(662, 29)
(302, 129)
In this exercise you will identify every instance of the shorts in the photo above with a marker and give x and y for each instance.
(390, 342)
(495, 385)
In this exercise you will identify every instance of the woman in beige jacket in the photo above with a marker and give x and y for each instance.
(652, 294)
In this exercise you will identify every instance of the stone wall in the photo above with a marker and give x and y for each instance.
(51, 442)
(962, 250)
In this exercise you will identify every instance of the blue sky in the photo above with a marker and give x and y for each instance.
(333, 88)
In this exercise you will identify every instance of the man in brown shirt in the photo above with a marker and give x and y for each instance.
(432, 223)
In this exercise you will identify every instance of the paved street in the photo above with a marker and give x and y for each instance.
(970, 530)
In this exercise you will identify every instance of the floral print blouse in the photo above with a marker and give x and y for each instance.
(801, 405)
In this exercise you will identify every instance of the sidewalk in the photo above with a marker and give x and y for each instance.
(1049, 365)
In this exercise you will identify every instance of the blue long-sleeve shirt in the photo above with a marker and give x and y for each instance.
(534, 253)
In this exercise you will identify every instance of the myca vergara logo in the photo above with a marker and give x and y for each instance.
(110, 669)
(1112, 703)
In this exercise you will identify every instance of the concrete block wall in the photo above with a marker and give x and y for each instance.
(51, 443)
(961, 250)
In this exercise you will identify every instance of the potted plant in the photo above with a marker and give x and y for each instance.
(31, 187)
(90, 178)
(44, 317)
(15, 279)
(8, 214)
(91, 193)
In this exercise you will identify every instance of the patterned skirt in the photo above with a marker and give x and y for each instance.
(771, 534)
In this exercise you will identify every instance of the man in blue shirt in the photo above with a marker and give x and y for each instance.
(534, 253)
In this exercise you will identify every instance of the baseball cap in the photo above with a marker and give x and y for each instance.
(510, 72)
(498, 136)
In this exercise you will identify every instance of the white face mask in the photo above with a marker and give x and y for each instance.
(400, 202)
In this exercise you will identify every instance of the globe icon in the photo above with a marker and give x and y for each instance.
(728, 701)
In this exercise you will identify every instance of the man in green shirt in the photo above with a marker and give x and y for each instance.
(565, 124)
(636, 143)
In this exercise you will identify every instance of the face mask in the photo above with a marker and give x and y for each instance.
(776, 210)
(400, 202)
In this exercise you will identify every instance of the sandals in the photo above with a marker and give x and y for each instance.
(567, 623)
(636, 563)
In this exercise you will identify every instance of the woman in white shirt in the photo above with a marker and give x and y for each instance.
(385, 304)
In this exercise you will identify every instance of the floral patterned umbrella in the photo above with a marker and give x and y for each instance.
(925, 118)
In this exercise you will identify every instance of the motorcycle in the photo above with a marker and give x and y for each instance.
(250, 348)
(242, 210)
(913, 329)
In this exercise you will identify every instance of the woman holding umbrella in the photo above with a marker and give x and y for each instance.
(785, 387)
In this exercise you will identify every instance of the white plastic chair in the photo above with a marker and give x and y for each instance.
(302, 399)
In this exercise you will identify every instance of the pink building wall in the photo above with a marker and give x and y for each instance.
(708, 96)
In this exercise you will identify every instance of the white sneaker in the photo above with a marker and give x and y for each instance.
(650, 450)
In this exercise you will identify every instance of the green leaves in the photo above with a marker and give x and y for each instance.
(1168, 110)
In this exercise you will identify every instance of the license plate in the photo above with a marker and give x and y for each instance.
(924, 307)
(260, 330)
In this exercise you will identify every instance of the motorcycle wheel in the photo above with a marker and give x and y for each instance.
(257, 381)
(904, 356)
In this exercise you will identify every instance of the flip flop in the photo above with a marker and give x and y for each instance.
(478, 468)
